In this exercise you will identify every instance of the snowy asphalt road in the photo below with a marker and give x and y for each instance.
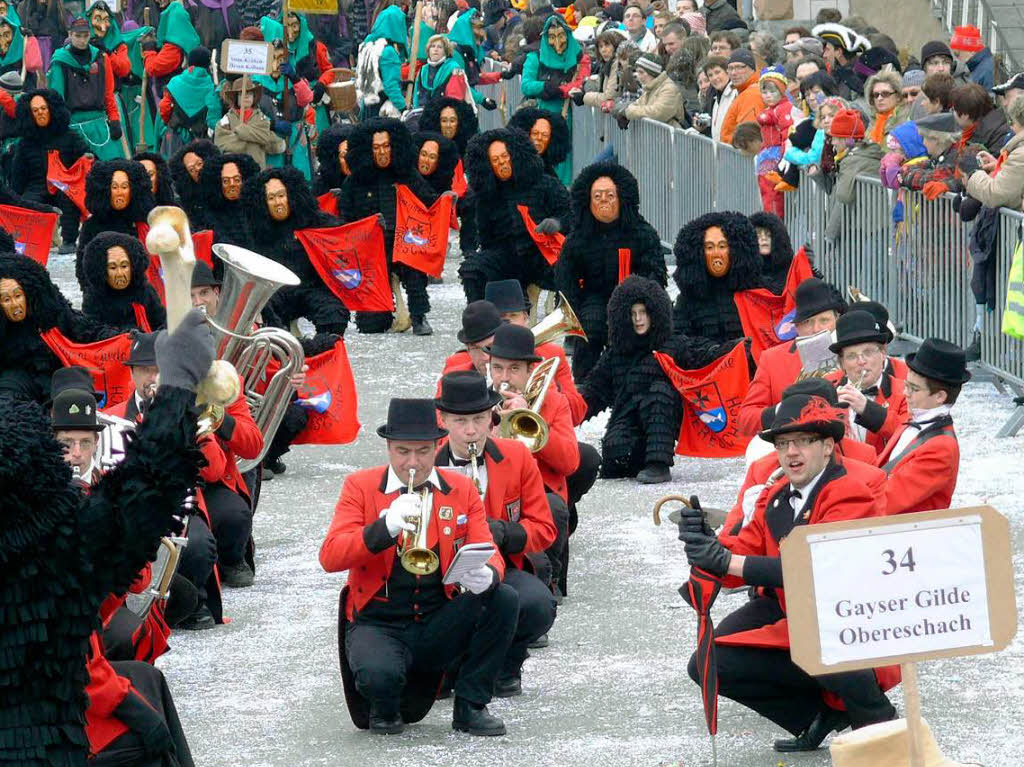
(611, 690)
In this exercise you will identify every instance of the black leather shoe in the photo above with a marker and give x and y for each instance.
(238, 576)
(201, 620)
(508, 687)
(277, 466)
(420, 327)
(382, 723)
(474, 719)
(973, 350)
(654, 474)
(540, 642)
(823, 725)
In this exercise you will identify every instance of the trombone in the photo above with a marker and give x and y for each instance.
(413, 552)
(525, 423)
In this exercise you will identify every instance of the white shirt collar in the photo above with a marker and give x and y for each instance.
(924, 416)
(394, 484)
(805, 493)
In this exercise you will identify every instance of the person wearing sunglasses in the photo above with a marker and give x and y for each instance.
(886, 107)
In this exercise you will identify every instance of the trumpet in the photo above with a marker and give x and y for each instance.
(526, 424)
(714, 517)
(560, 322)
(413, 552)
(475, 470)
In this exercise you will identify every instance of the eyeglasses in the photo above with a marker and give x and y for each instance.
(911, 95)
(883, 95)
(782, 445)
(85, 445)
(867, 355)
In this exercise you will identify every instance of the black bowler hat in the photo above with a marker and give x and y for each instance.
(513, 342)
(75, 377)
(814, 296)
(143, 350)
(941, 361)
(813, 387)
(414, 420)
(479, 321)
(804, 412)
(507, 295)
(75, 410)
(202, 276)
(465, 392)
(879, 312)
(858, 327)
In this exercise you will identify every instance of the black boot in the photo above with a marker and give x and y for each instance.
(475, 719)
(420, 326)
(823, 725)
(201, 620)
(385, 722)
(238, 576)
(508, 687)
(654, 474)
(539, 643)
(973, 350)
(276, 465)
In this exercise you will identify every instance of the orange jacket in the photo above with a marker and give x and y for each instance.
(745, 108)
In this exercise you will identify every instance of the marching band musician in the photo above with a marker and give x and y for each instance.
(517, 508)
(480, 319)
(894, 366)
(752, 653)
(397, 624)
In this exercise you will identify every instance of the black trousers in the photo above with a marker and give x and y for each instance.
(117, 635)
(69, 214)
(199, 556)
(295, 419)
(478, 628)
(316, 303)
(768, 681)
(484, 266)
(642, 433)
(593, 315)
(579, 483)
(558, 551)
(231, 518)
(536, 616)
(417, 300)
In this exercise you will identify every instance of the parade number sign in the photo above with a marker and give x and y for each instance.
(325, 7)
(881, 591)
(246, 57)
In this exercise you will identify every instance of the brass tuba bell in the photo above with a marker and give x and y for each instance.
(560, 322)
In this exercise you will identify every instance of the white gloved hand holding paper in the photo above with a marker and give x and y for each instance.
(479, 579)
(399, 515)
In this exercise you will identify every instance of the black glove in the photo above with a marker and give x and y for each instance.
(148, 43)
(577, 98)
(146, 723)
(319, 90)
(115, 130)
(282, 128)
(969, 209)
(498, 532)
(507, 74)
(489, 104)
(622, 120)
(288, 70)
(552, 90)
(184, 357)
(692, 520)
(707, 553)
(548, 226)
(95, 42)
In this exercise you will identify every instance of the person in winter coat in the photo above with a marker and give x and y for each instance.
(505, 172)
(776, 120)
(467, 35)
(440, 74)
(979, 118)
(381, 156)
(883, 93)
(719, 14)
(951, 158)
(969, 49)
(245, 129)
(186, 165)
(661, 98)
(379, 73)
(46, 22)
(436, 158)
(278, 201)
(159, 177)
(639, 439)
(1000, 182)
(608, 74)
(222, 179)
(716, 256)
(43, 122)
(748, 103)
(116, 290)
(190, 106)
(610, 240)
(854, 157)
(118, 197)
(331, 153)
(548, 132)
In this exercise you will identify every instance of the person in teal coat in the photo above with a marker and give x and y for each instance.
(285, 98)
(381, 56)
(190, 106)
(468, 35)
(432, 81)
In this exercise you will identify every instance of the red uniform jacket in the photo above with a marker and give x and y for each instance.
(883, 414)
(454, 362)
(358, 540)
(923, 476)
(560, 457)
(164, 62)
(898, 368)
(777, 369)
(515, 493)
(106, 691)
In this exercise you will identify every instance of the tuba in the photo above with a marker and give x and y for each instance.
(526, 424)
(560, 322)
(413, 552)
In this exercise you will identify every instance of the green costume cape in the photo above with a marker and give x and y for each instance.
(16, 52)
(91, 124)
(444, 72)
(390, 25)
(569, 57)
(303, 44)
(176, 28)
(462, 34)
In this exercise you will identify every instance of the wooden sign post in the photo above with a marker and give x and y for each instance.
(887, 590)
(246, 58)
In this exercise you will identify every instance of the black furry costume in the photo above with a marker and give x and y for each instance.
(61, 554)
(448, 157)
(310, 299)
(371, 190)
(227, 218)
(164, 188)
(26, 362)
(114, 307)
(329, 174)
(469, 126)
(587, 270)
(561, 137)
(29, 165)
(775, 267)
(103, 218)
(190, 193)
(705, 305)
(645, 408)
(506, 249)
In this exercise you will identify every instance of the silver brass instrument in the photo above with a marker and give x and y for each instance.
(475, 470)
(413, 552)
(560, 322)
(526, 424)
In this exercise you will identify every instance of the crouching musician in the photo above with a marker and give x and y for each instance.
(396, 529)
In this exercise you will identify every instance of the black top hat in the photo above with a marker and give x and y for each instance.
(814, 296)
(75, 410)
(804, 412)
(414, 420)
(75, 377)
(143, 350)
(858, 327)
(879, 312)
(465, 392)
(507, 295)
(513, 342)
(941, 361)
(202, 276)
(812, 387)
(479, 321)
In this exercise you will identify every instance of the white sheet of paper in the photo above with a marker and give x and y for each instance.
(468, 557)
(815, 354)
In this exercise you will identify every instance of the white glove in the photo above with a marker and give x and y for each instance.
(397, 516)
(478, 580)
(750, 496)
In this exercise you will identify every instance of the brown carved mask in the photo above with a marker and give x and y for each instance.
(120, 190)
(716, 252)
(557, 38)
(277, 200)
(193, 165)
(13, 301)
(430, 152)
(40, 111)
(501, 160)
(604, 200)
(231, 181)
(449, 122)
(382, 149)
(154, 174)
(119, 268)
(540, 135)
(342, 153)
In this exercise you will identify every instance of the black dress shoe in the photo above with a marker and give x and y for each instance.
(238, 576)
(201, 620)
(384, 723)
(508, 687)
(420, 327)
(474, 719)
(539, 642)
(277, 466)
(823, 725)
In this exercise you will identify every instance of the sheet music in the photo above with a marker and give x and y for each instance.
(468, 557)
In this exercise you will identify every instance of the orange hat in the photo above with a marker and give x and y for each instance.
(847, 124)
(967, 39)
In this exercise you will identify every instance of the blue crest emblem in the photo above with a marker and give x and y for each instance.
(707, 403)
(785, 330)
(319, 403)
(411, 238)
(350, 279)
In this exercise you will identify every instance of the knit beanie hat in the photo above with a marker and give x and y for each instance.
(775, 75)
(935, 48)
(967, 39)
(742, 56)
(698, 24)
(913, 78)
(650, 63)
(847, 124)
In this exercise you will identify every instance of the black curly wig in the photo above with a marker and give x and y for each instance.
(183, 182)
(97, 190)
(782, 246)
(448, 158)
(638, 290)
(691, 275)
(164, 188)
(46, 304)
(527, 167)
(561, 137)
(6, 241)
(60, 116)
(209, 177)
(328, 175)
(301, 201)
(94, 263)
(360, 150)
(469, 126)
(626, 185)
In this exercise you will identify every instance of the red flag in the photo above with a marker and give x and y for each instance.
(421, 233)
(70, 181)
(549, 245)
(711, 404)
(767, 319)
(625, 263)
(329, 394)
(202, 244)
(350, 259)
(104, 360)
(32, 231)
(459, 183)
(328, 203)
(141, 318)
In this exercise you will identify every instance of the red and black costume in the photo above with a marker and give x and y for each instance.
(137, 305)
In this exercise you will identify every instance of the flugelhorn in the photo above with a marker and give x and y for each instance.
(560, 322)
(413, 552)
(525, 423)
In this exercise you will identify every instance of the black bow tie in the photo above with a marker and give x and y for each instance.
(460, 463)
(871, 391)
